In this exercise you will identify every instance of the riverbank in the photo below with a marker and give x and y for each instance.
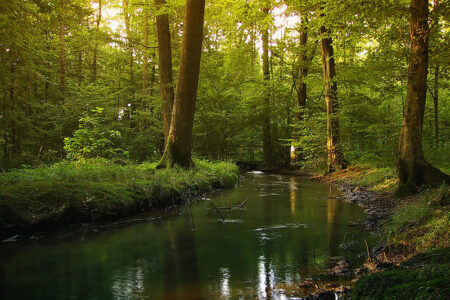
(68, 193)
(413, 259)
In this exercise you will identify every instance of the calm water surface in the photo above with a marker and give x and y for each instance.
(289, 229)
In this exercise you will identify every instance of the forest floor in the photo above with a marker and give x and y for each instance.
(413, 260)
(70, 193)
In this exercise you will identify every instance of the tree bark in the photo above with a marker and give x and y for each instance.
(179, 142)
(436, 105)
(165, 68)
(130, 49)
(268, 147)
(302, 73)
(335, 154)
(413, 170)
(94, 63)
(145, 60)
(305, 58)
(62, 67)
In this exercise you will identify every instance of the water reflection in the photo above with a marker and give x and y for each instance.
(287, 232)
(292, 193)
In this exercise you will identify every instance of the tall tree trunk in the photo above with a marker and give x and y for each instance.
(130, 49)
(80, 67)
(12, 96)
(302, 72)
(165, 68)
(179, 141)
(94, 63)
(436, 105)
(268, 147)
(62, 66)
(145, 58)
(305, 58)
(335, 154)
(413, 170)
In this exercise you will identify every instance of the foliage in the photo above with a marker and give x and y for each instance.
(91, 140)
(37, 117)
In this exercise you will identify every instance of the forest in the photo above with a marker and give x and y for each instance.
(109, 108)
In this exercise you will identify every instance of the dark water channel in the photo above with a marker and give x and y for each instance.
(289, 229)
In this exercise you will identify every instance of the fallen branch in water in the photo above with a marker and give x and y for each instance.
(218, 211)
(236, 206)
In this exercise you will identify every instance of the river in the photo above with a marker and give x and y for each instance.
(278, 231)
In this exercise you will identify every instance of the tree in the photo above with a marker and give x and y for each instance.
(179, 141)
(165, 67)
(97, 21)
(268, 143)
(335, 153)
(413, 169)
(62, 64)
(304, 60)
(126, 13)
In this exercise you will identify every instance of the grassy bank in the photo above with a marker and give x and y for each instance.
(416, 238)
(70, 192)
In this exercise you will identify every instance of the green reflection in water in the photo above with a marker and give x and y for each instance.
(289, 229)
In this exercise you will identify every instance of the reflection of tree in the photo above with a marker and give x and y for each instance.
(181, 274)
(334, 209)
(292, 193)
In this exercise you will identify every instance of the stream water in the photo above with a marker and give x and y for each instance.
(286, 231)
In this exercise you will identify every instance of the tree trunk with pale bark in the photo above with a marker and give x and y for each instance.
(335, 154)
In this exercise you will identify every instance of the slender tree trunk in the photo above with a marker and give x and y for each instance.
(80, 67)
(12, 96)
(130, 49)
(305, 58)
(94, 63)
(268, 147)
(62, 66)
(302, 73)
(145, 63)
(413, 170)
(436, 105)
(165, 68)
(335, 154)
(179, 141)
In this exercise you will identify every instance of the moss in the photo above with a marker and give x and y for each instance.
(421, 222)
(426, 276)
(69, 191)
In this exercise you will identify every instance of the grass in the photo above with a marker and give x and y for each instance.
(422, 222)
(67, 192)
(376, 179)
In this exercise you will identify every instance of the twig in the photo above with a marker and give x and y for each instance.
(242, 204)
(218, 212)
(368, 252)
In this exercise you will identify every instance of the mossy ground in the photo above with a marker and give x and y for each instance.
(425, 276)
(416, 237)
(68, 192)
